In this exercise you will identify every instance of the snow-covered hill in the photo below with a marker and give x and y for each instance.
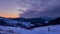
(25, 24)
(40, 30)
(28, 23)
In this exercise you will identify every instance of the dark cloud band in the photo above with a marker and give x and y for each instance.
(39, 8)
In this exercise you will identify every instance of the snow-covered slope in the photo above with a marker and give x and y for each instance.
(40, 30)
(24, 24)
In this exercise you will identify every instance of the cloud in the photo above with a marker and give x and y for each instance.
(39, 8)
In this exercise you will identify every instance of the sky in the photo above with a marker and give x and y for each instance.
(30, 8)
(40, 8)
(8, 8)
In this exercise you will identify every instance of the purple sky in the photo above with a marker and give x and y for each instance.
(8, 8)
(40, 8)
(30, 8)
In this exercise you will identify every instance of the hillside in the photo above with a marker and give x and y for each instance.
(40, 30)
(28, 23)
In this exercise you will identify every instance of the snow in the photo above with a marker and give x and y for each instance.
(10, 21)
(14, 22)
(40, 30)
(46, 21)
(27, 24)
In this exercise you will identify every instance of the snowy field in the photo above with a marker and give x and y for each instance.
(40, 30)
